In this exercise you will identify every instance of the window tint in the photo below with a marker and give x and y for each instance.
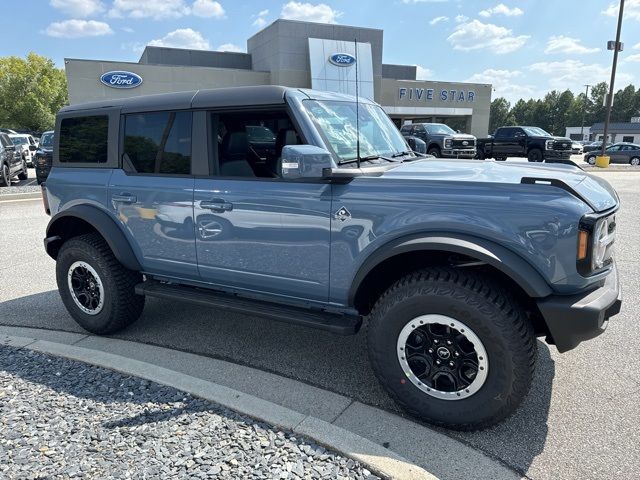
(504, 133)
(158, 143)
(84, 139)
(4, 140)
(250, 143)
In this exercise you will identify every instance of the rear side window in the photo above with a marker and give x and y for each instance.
(157, 143)
(84, 139)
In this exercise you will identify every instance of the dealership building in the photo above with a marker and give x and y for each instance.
(295, 54)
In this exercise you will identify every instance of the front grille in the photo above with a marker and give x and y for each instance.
(562, 145)
(457, 143)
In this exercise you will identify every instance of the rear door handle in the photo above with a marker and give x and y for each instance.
(124, 198)
(216, 205)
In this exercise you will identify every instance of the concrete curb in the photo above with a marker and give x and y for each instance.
(10, 197)
(388, 444)
(378, 459)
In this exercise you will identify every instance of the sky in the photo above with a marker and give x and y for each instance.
(524, 48)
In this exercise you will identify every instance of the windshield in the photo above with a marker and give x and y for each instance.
(536, 132)
(436, 128)
(19, 140)
(337, 124)
(46, 140)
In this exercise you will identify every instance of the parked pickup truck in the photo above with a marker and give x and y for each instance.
(531, 142)
(455, 266)
(442, 140)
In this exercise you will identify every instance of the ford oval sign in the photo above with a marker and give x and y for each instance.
(342, 59)
(120, 79)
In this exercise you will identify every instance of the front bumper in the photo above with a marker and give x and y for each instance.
(572, 319)
(467, 153)
(561, 154)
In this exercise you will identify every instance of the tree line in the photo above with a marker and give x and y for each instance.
(32, 90)
(558, 110)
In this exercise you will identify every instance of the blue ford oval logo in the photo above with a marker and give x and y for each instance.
(121, 79)
(342, 59)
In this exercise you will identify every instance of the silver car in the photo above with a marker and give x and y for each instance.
(618, 153)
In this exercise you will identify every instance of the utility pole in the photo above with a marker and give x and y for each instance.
(584, 109)
(616, 47)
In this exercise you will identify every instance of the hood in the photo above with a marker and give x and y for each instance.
(594, 191)
(456, 136)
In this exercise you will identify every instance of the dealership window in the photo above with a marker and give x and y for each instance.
(628, 138)
(84, 139)
(250, 144)
(157, 143)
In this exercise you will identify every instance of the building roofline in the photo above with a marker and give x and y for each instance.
(286, 20)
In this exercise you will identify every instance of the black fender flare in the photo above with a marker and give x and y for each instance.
(497, 256)
(102, 223)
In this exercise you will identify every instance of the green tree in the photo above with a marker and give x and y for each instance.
(499, 115)
(625, 104)
(32, 90)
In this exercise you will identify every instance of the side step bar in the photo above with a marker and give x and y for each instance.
(332, 322)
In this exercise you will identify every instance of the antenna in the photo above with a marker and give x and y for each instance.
(355, 42)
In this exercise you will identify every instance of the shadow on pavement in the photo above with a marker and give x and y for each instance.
(328, 361)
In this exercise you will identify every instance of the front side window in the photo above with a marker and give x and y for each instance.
(536, 132)
(46, 140)
(84, 139)
(338, 124)
(157, 143)
(440, 129)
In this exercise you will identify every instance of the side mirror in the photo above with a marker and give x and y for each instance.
(304, 161)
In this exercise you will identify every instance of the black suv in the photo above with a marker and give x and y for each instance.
(44, 155)
(11, 162)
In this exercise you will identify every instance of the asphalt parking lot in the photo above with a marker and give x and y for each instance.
(581, 419)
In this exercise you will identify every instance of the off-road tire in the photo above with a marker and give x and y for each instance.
(435, 151)
(122, 306)
(5, 176)
(535, 155)
(24, 174)
(481, 304)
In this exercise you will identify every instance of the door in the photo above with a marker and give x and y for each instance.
(12, 156)
(254, 231)
(616, 154)
(152, 194)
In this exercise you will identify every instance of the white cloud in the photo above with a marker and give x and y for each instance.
(156, 9)
(182, 38)
(475, 35)
(503, 82)
(631, 9)
(78, 28)
(636, 46)
(78, 8)
(308, 12)
(230, 47)
(573, 74)
(260, 20)
(633, 58)
(207, 9)
(423, 73)
(437, 20)
(501, 9)
(423, 1)
(562, 44)
(461, 18)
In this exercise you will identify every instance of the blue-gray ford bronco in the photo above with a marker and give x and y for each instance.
(308, 207)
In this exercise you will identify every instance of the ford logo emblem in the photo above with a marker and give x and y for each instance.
(120, 79)
(465, 143)
(342, 59)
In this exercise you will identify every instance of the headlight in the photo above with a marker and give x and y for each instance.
(595, 244)
(548, 145)
(448, 142)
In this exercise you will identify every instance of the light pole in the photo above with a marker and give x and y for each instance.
(584, 109)
(616, 47)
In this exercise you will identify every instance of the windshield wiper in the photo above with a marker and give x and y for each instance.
(401, 154)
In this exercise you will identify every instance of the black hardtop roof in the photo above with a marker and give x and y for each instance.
(209, 98)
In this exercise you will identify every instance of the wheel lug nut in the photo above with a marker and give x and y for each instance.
(449, 342)
(451, 364)
(430, 350)
(456, 354)
(435, 341)
(438, 362)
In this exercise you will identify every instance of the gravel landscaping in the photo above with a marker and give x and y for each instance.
(64, 419)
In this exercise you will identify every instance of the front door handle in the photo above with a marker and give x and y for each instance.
(124, 198)
(216, 205)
